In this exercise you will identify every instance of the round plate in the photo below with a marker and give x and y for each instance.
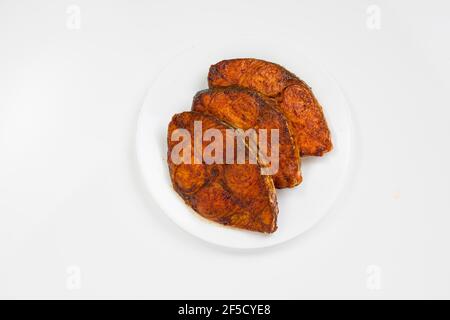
(300, 208)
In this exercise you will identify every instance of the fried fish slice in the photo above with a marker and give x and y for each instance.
(246, 109)
(293, 98)
(236, 195)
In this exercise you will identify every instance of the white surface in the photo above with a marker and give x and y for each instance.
(70, 189)
(172, 92)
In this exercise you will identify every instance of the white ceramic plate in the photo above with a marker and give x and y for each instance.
(300, 208)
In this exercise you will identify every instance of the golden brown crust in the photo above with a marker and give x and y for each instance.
(265, 77)
(231, 194)
(246, 109)
(306, 119)
(291, 96)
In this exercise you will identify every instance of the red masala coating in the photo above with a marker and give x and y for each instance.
(291, 96)
(231, 194)
(246, 109)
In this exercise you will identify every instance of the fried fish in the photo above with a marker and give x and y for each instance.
(291, 96)
(246, 109)
(235, 194)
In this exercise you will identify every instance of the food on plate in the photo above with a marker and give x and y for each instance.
(234, 194)
(271, 118)
(291, 96)
(246, 109)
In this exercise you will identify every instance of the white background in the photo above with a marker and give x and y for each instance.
(77, 222)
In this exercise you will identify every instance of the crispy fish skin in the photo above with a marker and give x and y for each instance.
(291, 95)
(246, 109)
(236, 195)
